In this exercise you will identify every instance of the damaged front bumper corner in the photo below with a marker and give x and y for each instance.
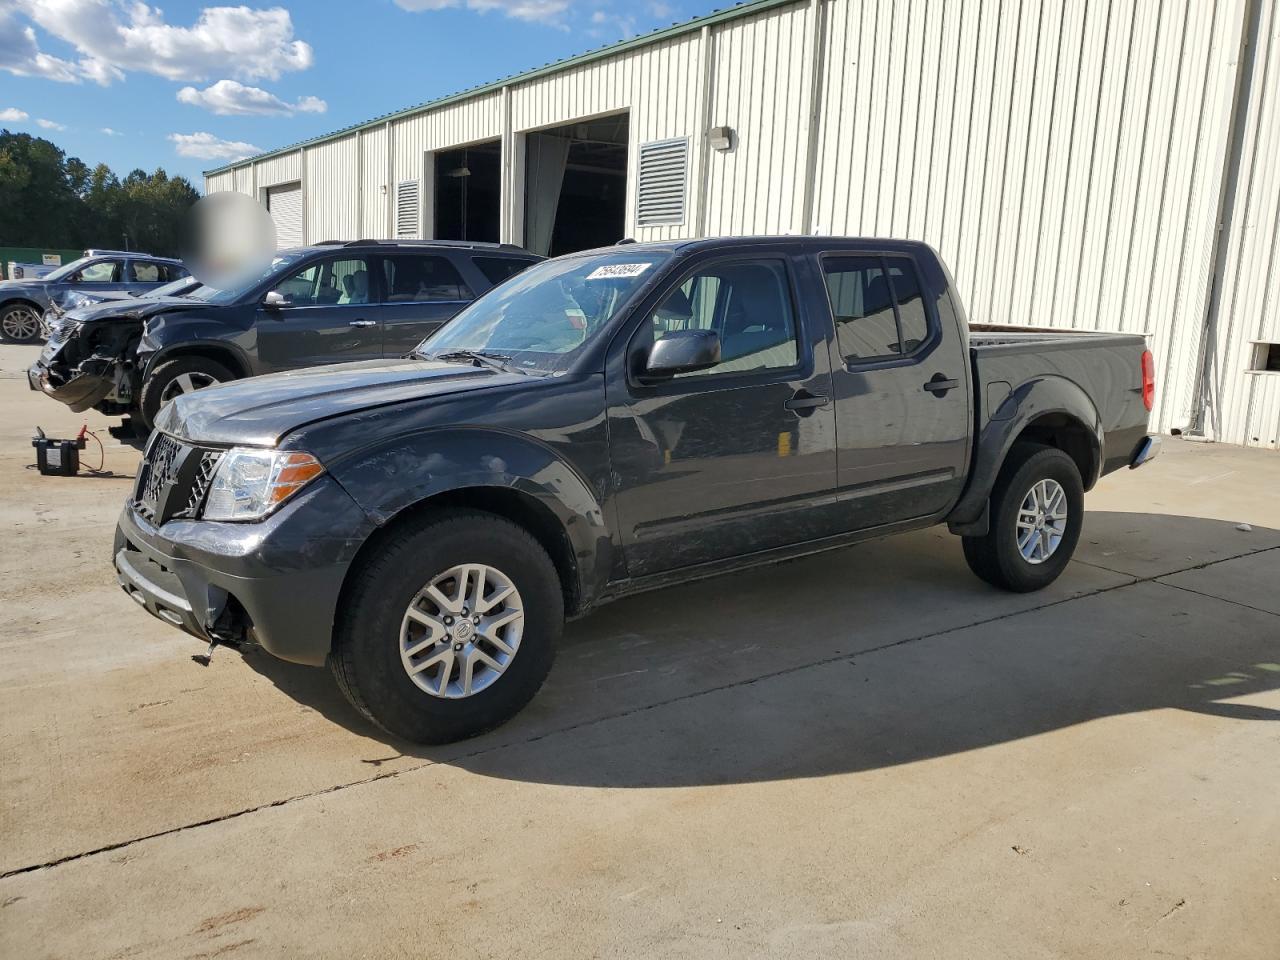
(80, 388)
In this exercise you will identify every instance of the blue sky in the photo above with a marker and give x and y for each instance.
(189, 86)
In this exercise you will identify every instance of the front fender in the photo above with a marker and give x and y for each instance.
(165, 334)
(403, 473)
(1030, 401)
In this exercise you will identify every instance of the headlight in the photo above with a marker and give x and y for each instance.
(249, 483)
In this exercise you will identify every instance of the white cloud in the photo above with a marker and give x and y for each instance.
(111, 133)
(205, 146)
(612, 25)
(534, 11)
(228, 97)
(13, 115)
(50, 124)
(21, 55)
(112, 39)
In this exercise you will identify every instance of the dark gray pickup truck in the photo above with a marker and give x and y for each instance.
(605, 423)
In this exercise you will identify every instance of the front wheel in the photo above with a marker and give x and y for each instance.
(449, 627)
(20, 323)
(1037, 512)
(175, 377)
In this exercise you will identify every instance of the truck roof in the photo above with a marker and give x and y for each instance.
(803, 241)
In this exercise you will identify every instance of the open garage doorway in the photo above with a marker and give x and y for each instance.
(468, 192)
(576, 185)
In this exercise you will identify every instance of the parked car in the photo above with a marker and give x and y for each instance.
(362, 300)
(23, 302)
(610, 422)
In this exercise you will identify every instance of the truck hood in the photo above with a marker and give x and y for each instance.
(260, 411)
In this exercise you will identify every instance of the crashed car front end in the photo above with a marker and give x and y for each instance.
(89, 363)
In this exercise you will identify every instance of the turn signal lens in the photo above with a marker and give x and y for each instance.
(1148, 380)
(250, 483)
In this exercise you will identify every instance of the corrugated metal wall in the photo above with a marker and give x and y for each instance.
(1066, 157)
(758, 88)
(1244, 406)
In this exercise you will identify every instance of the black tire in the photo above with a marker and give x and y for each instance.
(163, 376)
(365, 660)
(995, 557)
(9, 321)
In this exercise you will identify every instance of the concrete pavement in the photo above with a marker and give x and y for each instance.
(867, 753)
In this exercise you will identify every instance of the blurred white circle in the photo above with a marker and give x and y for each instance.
(228, 236)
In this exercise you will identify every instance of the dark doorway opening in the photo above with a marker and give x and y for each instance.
(576, 185)
(468, 192)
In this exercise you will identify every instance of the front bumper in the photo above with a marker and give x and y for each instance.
(277, 580)
(79, 391)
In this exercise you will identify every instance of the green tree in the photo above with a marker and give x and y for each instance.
(50, 200)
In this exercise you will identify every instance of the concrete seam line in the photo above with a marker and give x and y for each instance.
(1210, 596)
(836, 658)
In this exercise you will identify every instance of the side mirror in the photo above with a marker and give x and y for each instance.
(682, 351)
(274, 300)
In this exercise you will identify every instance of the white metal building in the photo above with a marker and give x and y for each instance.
(1072, 160)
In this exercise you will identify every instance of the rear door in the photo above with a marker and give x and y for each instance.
(420, 292)
(900, 376)
(329, 316)
(737, 458)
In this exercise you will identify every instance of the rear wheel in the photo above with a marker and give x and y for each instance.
(448, 630)
(175, 377)
(1037, 511)
(20, 323)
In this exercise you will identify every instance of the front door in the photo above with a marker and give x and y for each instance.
(422, 291)
(900, 374)
(737, 458)
(328, 316)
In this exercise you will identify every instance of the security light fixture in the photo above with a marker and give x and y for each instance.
(720, 138)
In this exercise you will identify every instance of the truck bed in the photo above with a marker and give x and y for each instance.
(1105, 366)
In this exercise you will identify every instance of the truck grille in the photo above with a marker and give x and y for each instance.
(173, 479)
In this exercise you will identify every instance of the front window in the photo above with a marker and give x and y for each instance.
(327, 283)
(66, 270)
(543, 317)
(102, 271)
(747, 303)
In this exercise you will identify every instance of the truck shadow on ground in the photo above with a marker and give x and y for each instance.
(881, 654)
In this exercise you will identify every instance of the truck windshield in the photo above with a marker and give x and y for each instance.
(539, 320)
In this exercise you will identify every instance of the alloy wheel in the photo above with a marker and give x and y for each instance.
(20, 323)
(461, 631)
(186, 383)
(1042, 521)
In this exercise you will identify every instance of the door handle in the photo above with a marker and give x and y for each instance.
(363, 323)
(939, 384)
(804, 402)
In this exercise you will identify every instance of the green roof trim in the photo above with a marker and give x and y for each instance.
(656, 36)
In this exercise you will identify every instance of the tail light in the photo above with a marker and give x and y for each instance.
(1148, 380)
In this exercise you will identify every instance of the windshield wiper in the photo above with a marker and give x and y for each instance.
(494, 361)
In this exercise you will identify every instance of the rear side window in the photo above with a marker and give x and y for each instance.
(145, 272)
(412, 278)
(497, 269)
(877, 306)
